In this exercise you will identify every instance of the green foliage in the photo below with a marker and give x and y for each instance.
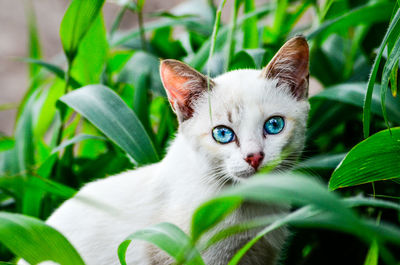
(76, 23)
(169, 238)
(35, 241)
(391, 33)
(103, 110)
(375, 158)
(100, 105)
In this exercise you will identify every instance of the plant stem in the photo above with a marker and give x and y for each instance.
(141, 29)
(212, 48)
(117, 21)
(231, 39)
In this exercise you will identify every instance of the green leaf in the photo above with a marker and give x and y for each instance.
(54, 69)
(242, 60)
(373, 254)
(47, 110)
(326, 212)
(74, 140)
(353, 93)
(141, 102)
(34, 43)
(162, 36)
(210, 214)
(118, 59)
(124, 38)
(51, 187)
(374, 71)
(76, 22)
(35, 241)
(200, 58)
(167, 237)
(89, 62)
(259, 57)
(390, 65)
(372, 12)
(278, 189)
(376, 158)
(300, 214)
(107, 111)
(21, 157)
(295, 189)
(6, 143)
(362, 201)
(250, 31)
(325, 161)
(142, 63)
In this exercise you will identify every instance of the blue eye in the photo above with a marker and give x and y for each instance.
(274, 125)
(223, 135)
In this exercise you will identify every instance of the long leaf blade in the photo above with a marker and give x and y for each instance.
(35, 241)
(376, 158)
(76, 22)
(108, 112)
(374, 71)
(369, 13)
(390, 64)
(54, 69)
(167, 237)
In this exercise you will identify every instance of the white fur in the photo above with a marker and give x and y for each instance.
(194, 170)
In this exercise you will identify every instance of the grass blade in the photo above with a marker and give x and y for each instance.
(200, 58)
(374, 71)
(373, 254)
(390, 65)
(34, 43)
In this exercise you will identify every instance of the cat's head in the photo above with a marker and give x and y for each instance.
(249, 118)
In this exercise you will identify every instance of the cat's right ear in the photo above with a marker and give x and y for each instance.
(183, 85)
(290, 67)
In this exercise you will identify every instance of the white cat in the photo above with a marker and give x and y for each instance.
(255, 115)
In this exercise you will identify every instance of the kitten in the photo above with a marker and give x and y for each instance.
(256, 114)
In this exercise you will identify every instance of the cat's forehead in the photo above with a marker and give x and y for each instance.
(242, 91)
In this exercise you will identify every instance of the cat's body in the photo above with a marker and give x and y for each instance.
(256, 115)
(162, 192)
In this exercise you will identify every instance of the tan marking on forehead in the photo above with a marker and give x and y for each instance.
(230, 116)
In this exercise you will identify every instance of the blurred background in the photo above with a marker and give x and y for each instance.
(14, 77)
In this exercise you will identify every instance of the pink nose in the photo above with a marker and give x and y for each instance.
(255, 160)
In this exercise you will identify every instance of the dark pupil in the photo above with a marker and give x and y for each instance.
(222, 133)
(274, 123)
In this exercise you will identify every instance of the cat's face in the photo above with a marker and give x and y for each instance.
(257, 117)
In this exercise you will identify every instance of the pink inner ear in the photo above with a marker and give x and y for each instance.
(174, 85)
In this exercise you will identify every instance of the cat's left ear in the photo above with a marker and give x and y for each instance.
(183, 85)
(290, 66)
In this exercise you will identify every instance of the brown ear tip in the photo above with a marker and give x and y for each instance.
(298, 41)
(167, 61)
